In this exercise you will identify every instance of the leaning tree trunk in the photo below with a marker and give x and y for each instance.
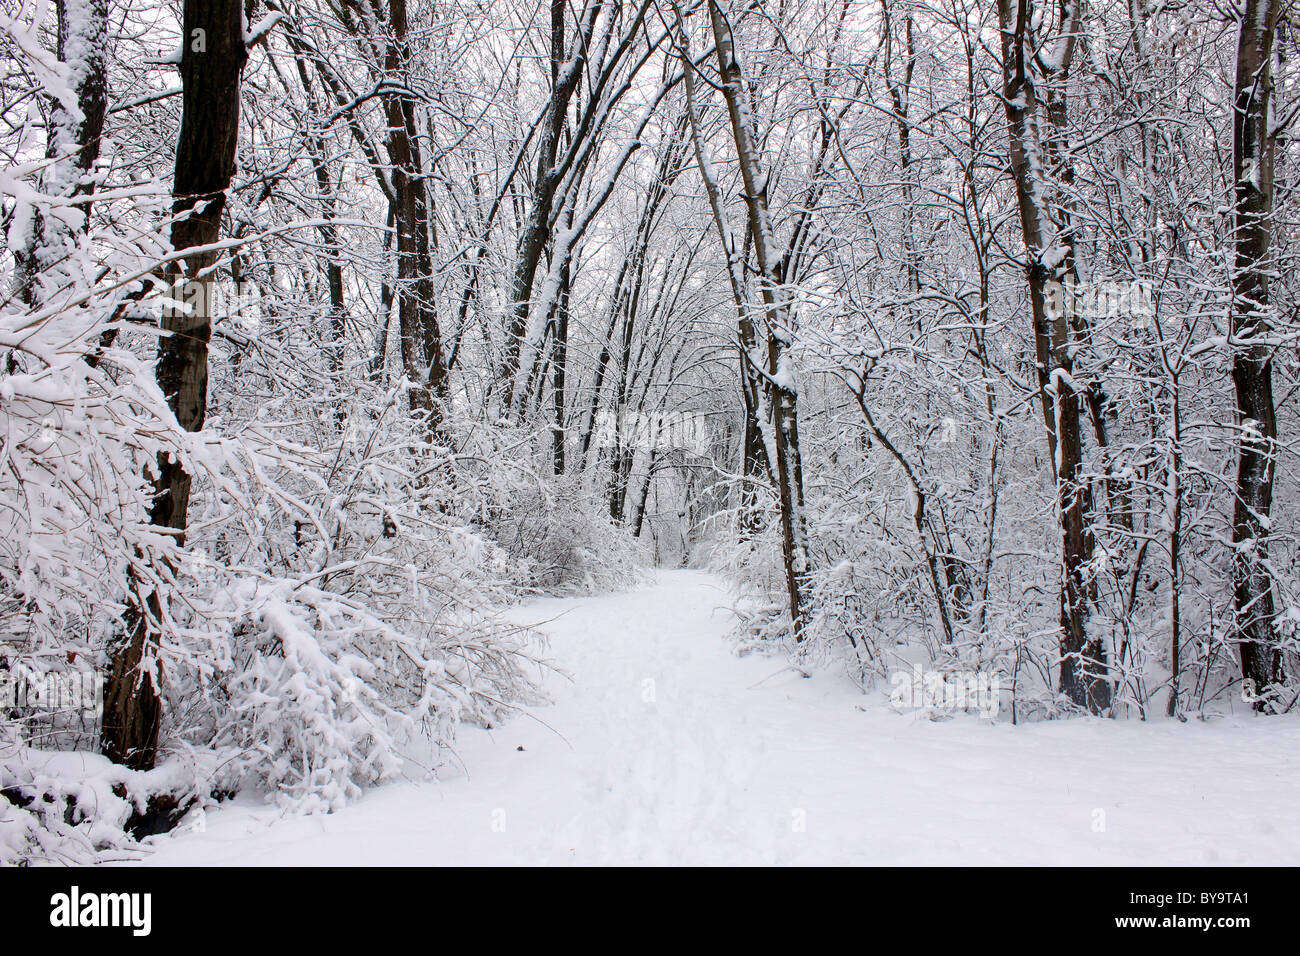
(212, 60)
(1254, 152)
(537, 228)
(755, 465)
(779, 375)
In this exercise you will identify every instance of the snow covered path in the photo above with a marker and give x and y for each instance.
(667, 749)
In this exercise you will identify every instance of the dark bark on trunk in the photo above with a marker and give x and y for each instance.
(638, 513)
(623, 455)
(1254, 153)
(602, 363)
(778, 376)
(754, 465)
(559, 367)
(92, 85)
(212, 61)
(1083, 676)
(329, 232)
(418, 327)
(900, 94)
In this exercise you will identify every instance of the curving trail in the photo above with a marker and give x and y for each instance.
(665, 748)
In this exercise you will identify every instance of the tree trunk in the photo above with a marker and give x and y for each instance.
(329, 232)
(73, 144)
(560, 366)
(212, 60)
(417, 318)
(1083, 675)
(779, 374)
(755, 465)
(1254, 150)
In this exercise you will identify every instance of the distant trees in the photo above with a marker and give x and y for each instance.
(545, 260)
(1084, 128)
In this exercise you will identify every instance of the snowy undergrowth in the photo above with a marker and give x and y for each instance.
(75, 807)
(334, 608)
(555, 533)
(341, 589)
(871, 615)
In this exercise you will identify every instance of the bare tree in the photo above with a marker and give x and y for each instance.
(770, 357)
(1048, 240)
(1253, 159)
(212, 62)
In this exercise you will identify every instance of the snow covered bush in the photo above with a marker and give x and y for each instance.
(555, 534)
(751, 562)
(363, 617)
(563, 540)
(332, 614)
(77, 807)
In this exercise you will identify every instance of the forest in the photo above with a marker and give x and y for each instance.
(954, 343)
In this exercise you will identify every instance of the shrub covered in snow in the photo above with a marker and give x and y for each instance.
(335, 610)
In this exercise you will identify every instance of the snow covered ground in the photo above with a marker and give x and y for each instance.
(665, 748)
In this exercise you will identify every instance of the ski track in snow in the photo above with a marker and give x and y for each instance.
(740, 761)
